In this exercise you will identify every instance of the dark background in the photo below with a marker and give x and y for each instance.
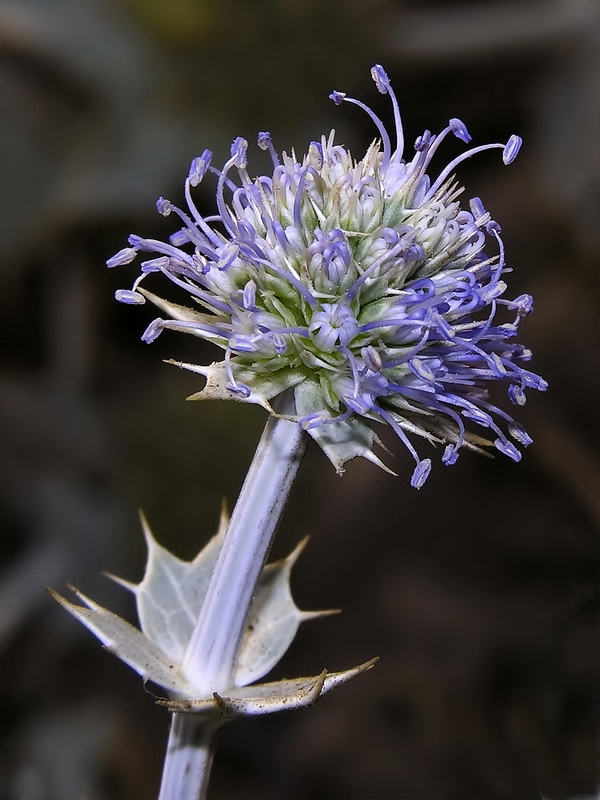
(479, 592)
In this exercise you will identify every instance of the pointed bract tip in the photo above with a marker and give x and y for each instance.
(295, 554)
(327, 612)
(66, 604)
(81, 596)
(370, 456)
(55, 595)
(199, 370)
(131, 587)
(334, 679)
(223, 518)
(148, 535)
(367, 664)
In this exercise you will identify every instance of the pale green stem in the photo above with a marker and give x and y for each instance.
(210, 657)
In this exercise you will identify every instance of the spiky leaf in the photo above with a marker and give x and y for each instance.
(272, 623)
(129, 644)
(267, 698)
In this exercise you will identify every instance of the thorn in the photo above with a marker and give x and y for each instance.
(318, 687)
(88, 602)
(148, 536)
(370, 456)
(131, 587)
(66, 604)
(290, 560)
(223, 519)
(56, 596)
(197, 368)
(306, 615)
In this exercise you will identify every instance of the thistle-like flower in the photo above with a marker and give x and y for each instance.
(364, 286)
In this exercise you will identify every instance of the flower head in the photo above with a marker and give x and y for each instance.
(364, 286)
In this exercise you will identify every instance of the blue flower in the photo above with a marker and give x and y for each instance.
(364, 286)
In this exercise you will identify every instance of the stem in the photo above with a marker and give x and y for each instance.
(210, 657)
(188, 760)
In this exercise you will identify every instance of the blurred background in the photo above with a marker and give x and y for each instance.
(479, 593)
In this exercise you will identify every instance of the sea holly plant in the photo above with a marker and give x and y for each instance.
(341, 294)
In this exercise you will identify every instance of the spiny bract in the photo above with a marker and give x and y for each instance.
(363, 286)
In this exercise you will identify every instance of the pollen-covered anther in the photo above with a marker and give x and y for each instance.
(337, 97)
(153, 331)
(164, 207)
(124, 256)
(512, 148)
(129, 297)
(379, 75)
(198, 167)
(459, 129)
(239, 150)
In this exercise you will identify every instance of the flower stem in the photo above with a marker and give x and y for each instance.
(209, 661)
(188, 760)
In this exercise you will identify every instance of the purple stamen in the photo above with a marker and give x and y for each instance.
(450, 456)
(422, 142)
(239, 150)
(385, 139)
(520, 434)
(459, 129)
(163, 206)
(153, 331)
(124, 256)
(129, 297)
(265, 143)
(206, 229)
(507, 448)
(454, 163)
(315, 154)
(382, 81)
(421, 473)
(517, 395)
(511, 149)
(198, 168)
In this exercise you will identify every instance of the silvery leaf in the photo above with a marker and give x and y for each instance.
(129, 644)
(272, 622)
(169, 600)
(267, 698)
(171, 594)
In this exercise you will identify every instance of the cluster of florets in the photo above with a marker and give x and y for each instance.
(361, 286)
